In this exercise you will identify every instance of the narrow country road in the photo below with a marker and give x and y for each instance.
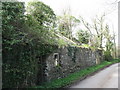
(107, 78)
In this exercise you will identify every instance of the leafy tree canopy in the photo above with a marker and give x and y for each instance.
(83, 36)
(41, 20)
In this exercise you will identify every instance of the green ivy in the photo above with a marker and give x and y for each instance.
(72, 52)
(22, 45)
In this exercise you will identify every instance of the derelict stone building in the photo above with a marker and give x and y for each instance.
(67, 60)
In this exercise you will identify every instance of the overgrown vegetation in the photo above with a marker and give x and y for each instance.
(83, 36)
(59, 83)
(29, 35)
(108, 56)
(24, 43)
(72, 52)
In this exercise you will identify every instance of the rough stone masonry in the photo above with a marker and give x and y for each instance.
(67, 60)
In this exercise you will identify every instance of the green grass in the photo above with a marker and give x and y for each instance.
(58, 83)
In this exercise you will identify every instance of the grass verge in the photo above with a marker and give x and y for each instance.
(59, 83)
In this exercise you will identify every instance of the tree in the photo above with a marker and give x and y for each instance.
(108, 38)
(13, 35)
(86, 24)
(41, 20)
(42, 13)
(98, 27)
(110, 42)
(66, 24)
(83, 36)
(24, 41)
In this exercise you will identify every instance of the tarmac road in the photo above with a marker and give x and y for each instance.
(107, 78)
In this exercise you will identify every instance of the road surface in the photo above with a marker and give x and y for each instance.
(107, 78)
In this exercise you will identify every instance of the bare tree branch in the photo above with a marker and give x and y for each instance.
(86, 25)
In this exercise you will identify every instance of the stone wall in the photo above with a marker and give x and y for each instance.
(67, 60)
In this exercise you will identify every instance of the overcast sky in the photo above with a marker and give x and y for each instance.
(88, 9)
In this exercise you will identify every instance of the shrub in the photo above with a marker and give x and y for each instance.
(108, 56)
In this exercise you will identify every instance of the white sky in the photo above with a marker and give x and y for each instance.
(88, 9)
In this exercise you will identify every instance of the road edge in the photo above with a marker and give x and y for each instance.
(86, 76)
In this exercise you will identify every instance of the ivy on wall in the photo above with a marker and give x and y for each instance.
(22, 45)
(72, 52)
